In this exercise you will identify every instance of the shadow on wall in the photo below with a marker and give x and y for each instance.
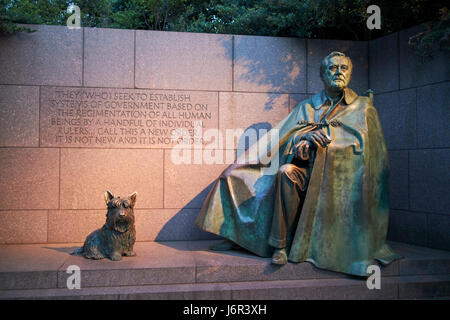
(181, 226)
(265, 65)
(269, 65)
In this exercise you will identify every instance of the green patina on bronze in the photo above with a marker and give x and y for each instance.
(344, 217)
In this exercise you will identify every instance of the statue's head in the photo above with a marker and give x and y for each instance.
(336, 71)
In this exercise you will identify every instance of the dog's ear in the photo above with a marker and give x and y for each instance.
(132, 198)
(108, 196)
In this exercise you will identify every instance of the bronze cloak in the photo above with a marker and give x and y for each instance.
(344, 218)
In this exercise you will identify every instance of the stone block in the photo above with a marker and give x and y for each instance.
(314, 289)
(181, 60)
(438, 231)
(67, 226)
(73, 225)
(409, 227)
(432, 286)
(398, 179)
(420, 260)
(356, 50)
(169, 225)
(23, 226)
(397, 112)
(197, 291)
(384, 64)
(108, 58)
(429, 180)
(180, 191)
(243, 111)
(416, 70)
(19, 116)
(50, 56)
(433, 116)
(87, 173)
(145, 268)
(240, 265)
(29, 178)
(268, 64)
(29, 266)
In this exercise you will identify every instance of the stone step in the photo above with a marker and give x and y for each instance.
(405, 287)
(192, 266)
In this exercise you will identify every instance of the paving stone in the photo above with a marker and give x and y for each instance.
(147, 267)
(30, 266)
(424, 286)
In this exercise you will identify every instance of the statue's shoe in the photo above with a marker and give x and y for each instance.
(279, 256)
(224, 246)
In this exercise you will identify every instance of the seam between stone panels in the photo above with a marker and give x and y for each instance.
(134, 62)
(409, 186)
(232, 63)
(39, 118)
(82, 60)
(59, 181)
(164, 177)
(218, 110)
(409, 180)
(416, 124)
(161, 89)
(427, 238)
(48, 227)
(398, 59)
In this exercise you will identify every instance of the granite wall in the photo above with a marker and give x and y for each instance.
(412, 96)
(70, 127)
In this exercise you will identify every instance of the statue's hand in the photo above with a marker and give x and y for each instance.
(301, 150)
(317, 138)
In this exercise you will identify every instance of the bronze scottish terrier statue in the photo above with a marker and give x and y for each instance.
(117, 236)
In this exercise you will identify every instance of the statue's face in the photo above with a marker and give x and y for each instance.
(337, 74)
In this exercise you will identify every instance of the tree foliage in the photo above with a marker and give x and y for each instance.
(336, 19)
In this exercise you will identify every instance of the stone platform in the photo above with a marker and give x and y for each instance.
(188, 270)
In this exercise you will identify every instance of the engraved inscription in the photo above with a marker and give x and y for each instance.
(103, 117)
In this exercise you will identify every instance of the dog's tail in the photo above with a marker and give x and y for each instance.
(77, 251)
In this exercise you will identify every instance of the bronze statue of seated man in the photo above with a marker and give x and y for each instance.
(328, 201)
